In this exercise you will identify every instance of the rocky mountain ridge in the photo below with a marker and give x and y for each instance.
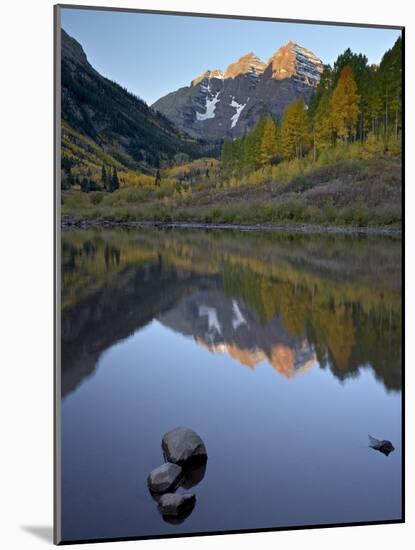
(227, 103)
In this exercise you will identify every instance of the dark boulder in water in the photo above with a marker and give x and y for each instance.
(382, 445)
(165, 478)
(176, 505)
(182, 445)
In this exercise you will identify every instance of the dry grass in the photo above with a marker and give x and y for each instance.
(350, 191)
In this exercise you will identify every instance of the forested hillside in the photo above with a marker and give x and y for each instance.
(355, 103)
(104, 124)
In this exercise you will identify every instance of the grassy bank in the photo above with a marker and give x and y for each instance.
(345, 191)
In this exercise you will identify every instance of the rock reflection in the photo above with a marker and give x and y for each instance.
(180, 518)
(193, 473)
(177, 518)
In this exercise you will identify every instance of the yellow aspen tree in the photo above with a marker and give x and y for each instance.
(345, 105)
(269, 142)
(294, 130)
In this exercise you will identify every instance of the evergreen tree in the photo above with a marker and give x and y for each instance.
(324, 88)
(357, 63)
(157, 180)
(371, 103)
(115, 184)
(345, 105)
(390, 84)
(104, 177)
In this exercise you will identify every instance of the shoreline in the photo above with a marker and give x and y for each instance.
(67, 224)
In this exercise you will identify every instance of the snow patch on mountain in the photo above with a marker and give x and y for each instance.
(239, 107)
(210, 107)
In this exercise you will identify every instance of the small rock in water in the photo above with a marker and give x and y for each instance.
(183, 444)
(382, 445)
(164, 478)
(175, 504)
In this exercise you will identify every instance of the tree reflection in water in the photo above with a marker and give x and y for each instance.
(293, 301)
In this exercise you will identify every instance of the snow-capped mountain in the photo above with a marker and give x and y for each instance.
(227, 103)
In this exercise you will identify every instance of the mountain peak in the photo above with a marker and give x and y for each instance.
(216, 73)
(248, 63)
(293, 60)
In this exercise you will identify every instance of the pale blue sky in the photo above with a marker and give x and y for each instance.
(152, 55)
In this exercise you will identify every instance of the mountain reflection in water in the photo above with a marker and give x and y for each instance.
(226, 325)
(293, 301)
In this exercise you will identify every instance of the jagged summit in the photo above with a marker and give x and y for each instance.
(216, 73)
(290, 60)
(293, 60)
(249, 63)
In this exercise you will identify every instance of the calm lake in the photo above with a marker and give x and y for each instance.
(283, 352)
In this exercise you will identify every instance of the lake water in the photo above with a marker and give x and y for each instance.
(283, 352)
